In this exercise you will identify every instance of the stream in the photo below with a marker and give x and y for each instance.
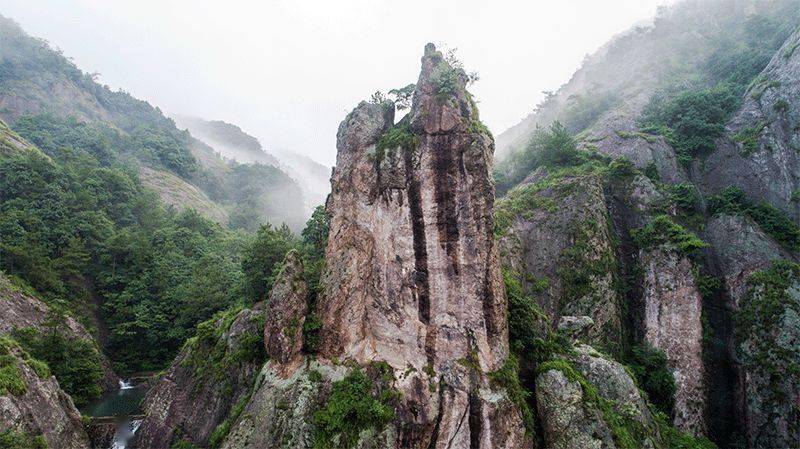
(120, 405)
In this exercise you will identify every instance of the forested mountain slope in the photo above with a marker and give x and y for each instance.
(41, 86)
(232, 143)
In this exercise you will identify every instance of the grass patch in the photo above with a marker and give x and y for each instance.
(748, 138)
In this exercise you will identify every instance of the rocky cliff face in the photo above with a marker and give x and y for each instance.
(760, 151)
(767, 338)
(413, 275)
(34, 411)
(672, 323)
(556, 237)
(570, 399)
(213, 374)
(286, 313)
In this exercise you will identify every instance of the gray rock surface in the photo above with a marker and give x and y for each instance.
(564, 233)
(286, 312)
(672, 323)
(767, 168)
(572, 419)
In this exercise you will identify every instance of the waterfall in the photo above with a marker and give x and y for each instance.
(124, 433)
(125, 384)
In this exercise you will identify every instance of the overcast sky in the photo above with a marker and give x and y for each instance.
(287, 71)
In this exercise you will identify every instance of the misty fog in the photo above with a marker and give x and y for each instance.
(287, 72)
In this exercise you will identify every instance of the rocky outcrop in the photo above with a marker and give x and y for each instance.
(413, 277)
(767, 335)
(672, 323)
(281, 412)
(32, 406)
(412, 286)
(580, 401)
(286, 312)
(741, 248)
(760, 151)
(214, 372)
(556, 237)
(22, 311)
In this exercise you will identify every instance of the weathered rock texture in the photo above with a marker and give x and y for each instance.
(41, 409)
(412, 282)
(281, 412)
(572, 419)
(768, 349)
(210, 375)
(557, 241)
(413, 277)
(741, 248)
(286, 312)
(673, 308)
(760, 152)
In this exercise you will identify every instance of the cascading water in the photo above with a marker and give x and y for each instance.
(124, 433)
(125, 384)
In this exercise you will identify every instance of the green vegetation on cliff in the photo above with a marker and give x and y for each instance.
(356, 403)
(663, 231)
(627, 430)
(772, 220)
(75, 363)
(14, 439)
(690, 120)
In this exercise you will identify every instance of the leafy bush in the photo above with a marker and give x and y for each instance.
(663, 231)
(398, 137)
(211, 357)
(508, 377)
(76, 363)
(684, 195)
(653, 375)
(690, 120)
(261, 259)
(353, 406)
(14, 439)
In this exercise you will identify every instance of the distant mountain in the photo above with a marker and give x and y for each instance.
(228, 139)
(37, 81)
(231, 142)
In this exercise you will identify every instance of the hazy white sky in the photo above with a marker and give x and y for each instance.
(287, 71)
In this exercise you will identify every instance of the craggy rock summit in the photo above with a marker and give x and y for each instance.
(412, 295)
(414, 278)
